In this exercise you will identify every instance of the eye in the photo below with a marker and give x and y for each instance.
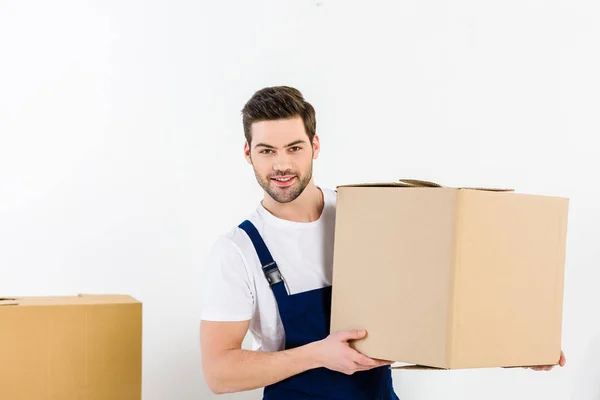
(266, 151)
(295, 148)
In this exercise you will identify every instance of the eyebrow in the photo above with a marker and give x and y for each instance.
(268, 146)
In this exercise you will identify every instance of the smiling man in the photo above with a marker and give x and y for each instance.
(271, 275)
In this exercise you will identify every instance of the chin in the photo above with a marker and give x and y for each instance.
(284, 195)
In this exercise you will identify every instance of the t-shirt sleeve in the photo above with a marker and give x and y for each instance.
(227, 294)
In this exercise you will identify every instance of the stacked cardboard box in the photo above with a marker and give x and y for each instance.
(86, 347)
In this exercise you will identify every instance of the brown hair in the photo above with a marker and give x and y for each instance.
(278, 102)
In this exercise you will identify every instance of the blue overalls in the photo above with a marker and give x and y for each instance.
(305, 317)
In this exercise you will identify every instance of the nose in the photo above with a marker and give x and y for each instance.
(282, 162)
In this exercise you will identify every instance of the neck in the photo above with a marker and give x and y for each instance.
(305, 208)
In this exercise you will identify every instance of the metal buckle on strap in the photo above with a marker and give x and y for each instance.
(273, 275)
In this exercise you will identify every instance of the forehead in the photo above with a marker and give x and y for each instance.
(278, 132)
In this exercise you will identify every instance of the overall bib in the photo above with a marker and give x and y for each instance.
(306, 318)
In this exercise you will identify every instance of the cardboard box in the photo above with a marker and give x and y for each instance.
(450, 277)
(86, 347)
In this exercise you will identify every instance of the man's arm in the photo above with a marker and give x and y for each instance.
(228, 368)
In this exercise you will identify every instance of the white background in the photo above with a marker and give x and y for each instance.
(121, 145)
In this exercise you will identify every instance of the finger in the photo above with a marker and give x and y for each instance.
(360, 367)
(563, 360)
(382, 363)
(542, 368)
(350, 335)
(361, 359)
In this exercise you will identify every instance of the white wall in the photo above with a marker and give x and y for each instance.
(121, 145)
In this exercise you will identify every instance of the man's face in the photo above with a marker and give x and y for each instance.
(281, 155)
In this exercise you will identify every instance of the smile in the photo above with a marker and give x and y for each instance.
(283, 181)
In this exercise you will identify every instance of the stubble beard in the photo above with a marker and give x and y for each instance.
(284, 194)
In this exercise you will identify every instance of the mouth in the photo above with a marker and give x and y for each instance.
(283, 181)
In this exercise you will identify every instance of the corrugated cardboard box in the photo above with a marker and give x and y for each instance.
(86, 347)
(450, 277)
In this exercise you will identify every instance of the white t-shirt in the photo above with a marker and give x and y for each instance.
(235, 287)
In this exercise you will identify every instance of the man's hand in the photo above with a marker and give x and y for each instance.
(562, 361)
(335, 353)
(228, 368)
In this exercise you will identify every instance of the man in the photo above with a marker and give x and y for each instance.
(271, 275)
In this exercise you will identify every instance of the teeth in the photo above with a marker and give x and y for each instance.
(282, 179)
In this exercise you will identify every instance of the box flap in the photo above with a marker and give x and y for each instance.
(421, 183)
(80, 299)
(8, 301)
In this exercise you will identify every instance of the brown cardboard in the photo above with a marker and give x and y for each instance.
(450, 278)
(86, 347)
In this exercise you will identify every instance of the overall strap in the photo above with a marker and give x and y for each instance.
(269, 266)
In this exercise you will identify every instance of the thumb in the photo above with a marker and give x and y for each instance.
(562, 361)
(353, 334)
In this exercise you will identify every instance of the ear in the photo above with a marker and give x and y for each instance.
(316, 144)
(247, 152)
